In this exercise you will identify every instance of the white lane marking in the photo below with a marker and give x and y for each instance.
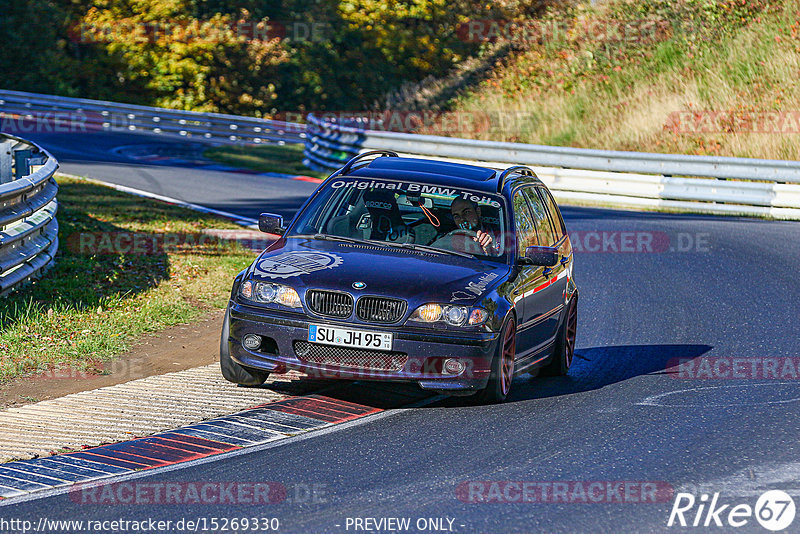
(655, 400)
(238, 219)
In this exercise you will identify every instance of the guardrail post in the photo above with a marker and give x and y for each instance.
(6, 163)
(22, 166)
(329, 145)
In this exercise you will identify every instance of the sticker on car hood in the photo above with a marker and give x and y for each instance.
(474, 289)
(296, 263)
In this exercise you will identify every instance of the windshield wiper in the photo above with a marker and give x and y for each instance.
(386, 244)
(426, 248)
(329, 237)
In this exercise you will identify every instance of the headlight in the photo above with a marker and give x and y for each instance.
(427, 313)
(269, 293)
(455, 315)
(288, 297)
(266, 292)
(449, 314)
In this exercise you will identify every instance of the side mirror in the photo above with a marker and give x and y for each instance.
(542, 256)
(271, 223)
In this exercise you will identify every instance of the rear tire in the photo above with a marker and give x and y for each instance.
(232, 371)
(502, 373)
(564, 350)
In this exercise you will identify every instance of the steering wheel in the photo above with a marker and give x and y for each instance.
(464, 232)
(463, 240)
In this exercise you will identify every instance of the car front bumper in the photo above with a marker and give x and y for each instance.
(425, 351)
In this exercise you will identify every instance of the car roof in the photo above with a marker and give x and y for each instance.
(434, 172)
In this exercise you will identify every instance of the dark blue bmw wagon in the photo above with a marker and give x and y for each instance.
(453, 276)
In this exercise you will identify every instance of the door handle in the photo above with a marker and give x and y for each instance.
(565, 260)
(547, 271)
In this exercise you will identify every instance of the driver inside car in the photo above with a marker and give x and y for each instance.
(467, 216)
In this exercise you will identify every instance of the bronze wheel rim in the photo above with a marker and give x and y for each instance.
(572, 328)
(507, 363)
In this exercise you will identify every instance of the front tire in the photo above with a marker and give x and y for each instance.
(232, 371)
(564, 350)
(502, 373)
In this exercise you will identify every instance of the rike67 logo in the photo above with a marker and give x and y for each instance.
(774, 510)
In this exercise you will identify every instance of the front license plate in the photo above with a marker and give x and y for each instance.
(344, 337)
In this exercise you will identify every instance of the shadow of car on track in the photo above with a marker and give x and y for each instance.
(597, 367)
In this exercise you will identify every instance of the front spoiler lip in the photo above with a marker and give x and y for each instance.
(427, 381)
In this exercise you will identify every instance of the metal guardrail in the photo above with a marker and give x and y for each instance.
(632, 179)
(28, 205)
(629, 179)
(59, 113)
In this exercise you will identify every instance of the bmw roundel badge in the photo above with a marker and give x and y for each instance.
(359, 285)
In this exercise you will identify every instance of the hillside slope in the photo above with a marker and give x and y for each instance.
(716, 77)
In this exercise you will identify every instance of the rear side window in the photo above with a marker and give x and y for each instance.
(524, 222)
(541, 219)
(555, 213)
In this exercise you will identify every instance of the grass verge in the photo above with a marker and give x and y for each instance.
(103, 293)
(285, 159)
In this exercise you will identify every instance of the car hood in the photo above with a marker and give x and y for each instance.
(417, 276)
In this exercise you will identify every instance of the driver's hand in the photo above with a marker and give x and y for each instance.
(484, 240)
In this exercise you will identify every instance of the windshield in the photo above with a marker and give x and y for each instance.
(408, 214)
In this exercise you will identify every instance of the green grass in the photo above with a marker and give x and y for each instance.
(286, 159)
(666, 56)
(90, 307)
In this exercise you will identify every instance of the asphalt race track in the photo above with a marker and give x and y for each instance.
(102, 156)
(712, 289)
